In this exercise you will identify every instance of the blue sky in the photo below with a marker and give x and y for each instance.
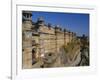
(76, 22)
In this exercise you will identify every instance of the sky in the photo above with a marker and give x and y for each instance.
(75, 22)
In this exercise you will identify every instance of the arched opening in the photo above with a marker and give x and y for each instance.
(33, 56)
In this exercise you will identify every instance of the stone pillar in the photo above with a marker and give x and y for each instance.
(69, 36)
(65, 36)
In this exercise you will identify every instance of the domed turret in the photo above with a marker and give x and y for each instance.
(40, 21)
(27, 15)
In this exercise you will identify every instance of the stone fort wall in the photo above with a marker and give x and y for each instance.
(38, 38)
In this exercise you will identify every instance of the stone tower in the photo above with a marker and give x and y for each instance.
(27, 39)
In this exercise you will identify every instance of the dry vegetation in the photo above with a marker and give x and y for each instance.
(71, 48)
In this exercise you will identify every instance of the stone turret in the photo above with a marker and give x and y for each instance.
(40, 21)
(57, 28)
(27, 20)
(27, 16)
(27, 39)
